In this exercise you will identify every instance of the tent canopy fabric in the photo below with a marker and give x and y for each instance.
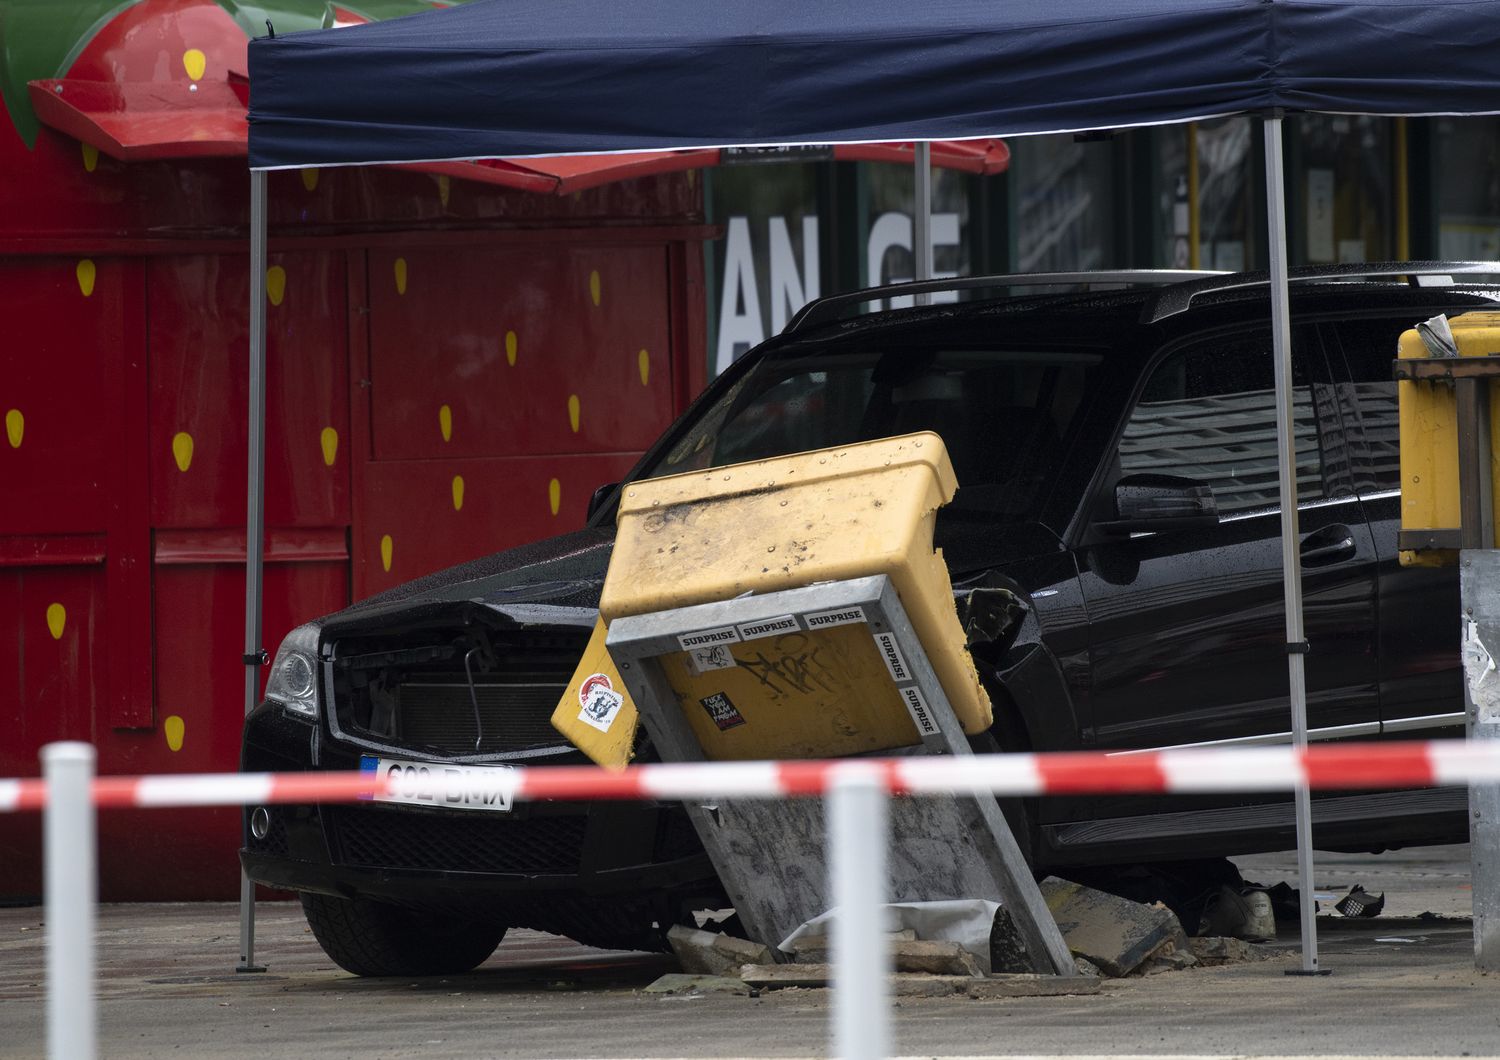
(513, 78)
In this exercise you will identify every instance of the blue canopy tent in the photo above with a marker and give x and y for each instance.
(512, 78)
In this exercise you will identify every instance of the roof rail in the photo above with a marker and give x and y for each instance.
(822, 310)
(1178, 298)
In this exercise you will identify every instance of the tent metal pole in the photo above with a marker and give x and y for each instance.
(254, 656)
(921, 235)
(1291, 567)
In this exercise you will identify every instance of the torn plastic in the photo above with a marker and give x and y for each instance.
(965, 921)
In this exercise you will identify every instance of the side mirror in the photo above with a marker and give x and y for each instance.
(600, 499)
(1149, 503)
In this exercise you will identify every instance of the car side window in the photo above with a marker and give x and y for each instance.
(1208, 413)
(1368, 402)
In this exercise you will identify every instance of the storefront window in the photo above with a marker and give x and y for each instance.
(767, 265)
(887, 227)
(1062, 191)
(1468, 151)
(1343, 176)
(1226, 233)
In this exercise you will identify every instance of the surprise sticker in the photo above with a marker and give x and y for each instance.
(600, 703)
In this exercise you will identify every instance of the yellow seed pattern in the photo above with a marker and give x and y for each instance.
(573, 412)
(275, 284)
(172, 728)
(330, 442)
(643, 361)
(400, 275)
(195, 63)
(86, 275)
(57, 620)
(182, 450)
(386, 547)
(554, 495)
(510, 348)
(15, 427)
(90, 157)
(594, 290)
(458, 492)
(310, 178)
(445, 422)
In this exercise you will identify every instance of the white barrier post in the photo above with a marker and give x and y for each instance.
(857, 811)
(71, 889)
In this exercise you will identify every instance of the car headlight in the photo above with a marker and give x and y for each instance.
(294, 674)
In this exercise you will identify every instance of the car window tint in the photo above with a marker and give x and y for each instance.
(1004, 414)
(1208, 413)
(1368, 402)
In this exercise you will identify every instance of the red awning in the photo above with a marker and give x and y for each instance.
(156, 120)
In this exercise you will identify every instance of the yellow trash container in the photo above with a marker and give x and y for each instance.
(782, 690)
(1429, 438)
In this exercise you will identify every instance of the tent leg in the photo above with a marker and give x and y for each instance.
(921, 235)
(254, 513)
(1291, 567)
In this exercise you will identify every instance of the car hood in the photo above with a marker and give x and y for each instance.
(566, 571)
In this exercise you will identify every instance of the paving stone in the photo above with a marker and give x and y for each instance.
(902, 984)
(935, 958)
(706, 953)
(679, 983)
(1032, 986)
(1114, 933)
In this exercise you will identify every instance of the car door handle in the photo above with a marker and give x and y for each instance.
(1316, 547)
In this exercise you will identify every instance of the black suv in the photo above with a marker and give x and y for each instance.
(1063, 405)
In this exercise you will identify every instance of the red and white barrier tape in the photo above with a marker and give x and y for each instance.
(1348, 766)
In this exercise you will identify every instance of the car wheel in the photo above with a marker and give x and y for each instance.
(377, 939)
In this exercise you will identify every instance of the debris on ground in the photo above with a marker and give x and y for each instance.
(1241, 913)
(1212, 952)
(1114, 933)
(706, 953)
(679, 983)
(1360, 903)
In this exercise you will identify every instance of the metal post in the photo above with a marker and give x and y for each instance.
(1291, 565)
(861, 956)
(71, 892)
(921, 234)
(254, 511)
(1479, 573)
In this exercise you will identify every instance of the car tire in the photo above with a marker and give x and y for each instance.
(377, 939)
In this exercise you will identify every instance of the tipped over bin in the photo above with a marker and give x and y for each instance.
(811, 684)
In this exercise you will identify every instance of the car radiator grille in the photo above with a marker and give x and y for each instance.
(479, 842)
(512, 717)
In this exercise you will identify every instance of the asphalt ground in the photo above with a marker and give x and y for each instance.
(1403, 984)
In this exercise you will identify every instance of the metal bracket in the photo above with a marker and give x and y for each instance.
(1298, 647)
(259, 657)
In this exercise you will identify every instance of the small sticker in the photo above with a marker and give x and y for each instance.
(705, 637)
(713, 657)
(916, 706)
(599, 701)
(768, 627)
(842, 617)
(891, 653)
(722, 711)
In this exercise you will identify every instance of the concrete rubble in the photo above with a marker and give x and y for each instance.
(1110, 937)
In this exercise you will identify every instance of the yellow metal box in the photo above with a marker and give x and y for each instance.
(1429, 438)
(757, 528)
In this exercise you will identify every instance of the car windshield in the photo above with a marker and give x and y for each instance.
(1003, 413)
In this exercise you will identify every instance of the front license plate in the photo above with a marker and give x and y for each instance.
(452, 787)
